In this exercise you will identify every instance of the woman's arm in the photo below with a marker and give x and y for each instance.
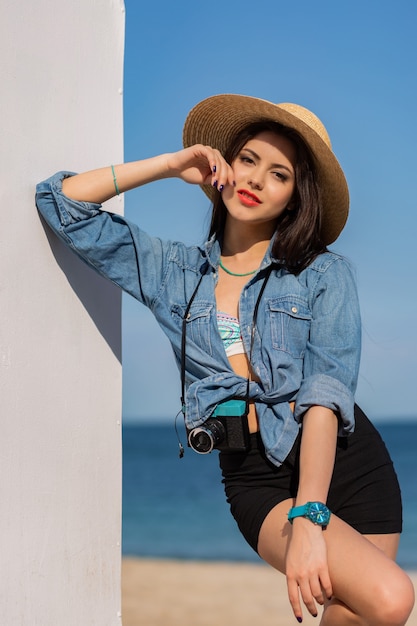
(330, 371)
(306, 566)
(98, 185)
(116, 248)
(196, 165)
(317, 454)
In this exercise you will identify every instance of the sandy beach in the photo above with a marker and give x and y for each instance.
(188, 593)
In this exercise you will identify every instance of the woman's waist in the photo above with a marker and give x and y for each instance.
(253, 421)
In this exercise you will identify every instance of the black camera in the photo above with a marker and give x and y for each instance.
(227, 429)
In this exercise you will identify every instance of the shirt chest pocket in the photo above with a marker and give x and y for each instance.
(198, 323)
(290, 320)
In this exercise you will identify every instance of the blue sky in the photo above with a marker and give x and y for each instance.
(354, 64)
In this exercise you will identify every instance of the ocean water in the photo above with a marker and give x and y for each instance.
(176, 508)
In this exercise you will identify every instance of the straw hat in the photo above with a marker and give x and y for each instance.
(216, 120)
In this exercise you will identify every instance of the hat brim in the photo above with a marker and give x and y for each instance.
(217, 120)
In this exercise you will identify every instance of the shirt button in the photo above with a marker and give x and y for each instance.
(294, 309)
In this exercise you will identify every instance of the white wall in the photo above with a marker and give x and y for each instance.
(60, 373)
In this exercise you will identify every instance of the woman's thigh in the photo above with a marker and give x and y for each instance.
(363, 574)
(387, 543)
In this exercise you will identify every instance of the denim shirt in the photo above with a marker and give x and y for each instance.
(306, 346)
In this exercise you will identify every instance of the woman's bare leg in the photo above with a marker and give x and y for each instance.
(369, 588)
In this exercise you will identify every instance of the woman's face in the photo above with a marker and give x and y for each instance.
(264, 172)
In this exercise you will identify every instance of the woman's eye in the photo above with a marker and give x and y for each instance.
(280, 176)
(245, 159)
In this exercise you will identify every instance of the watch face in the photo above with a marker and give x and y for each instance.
(319, 513)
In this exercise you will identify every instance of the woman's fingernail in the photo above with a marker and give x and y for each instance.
(214, 169)
(221, 188)
(299, 620)
(215, 184)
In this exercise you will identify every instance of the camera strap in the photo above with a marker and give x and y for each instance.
(184, 340)
(184, 334)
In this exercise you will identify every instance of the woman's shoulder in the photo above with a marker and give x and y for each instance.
(330, 260)
(329, 271)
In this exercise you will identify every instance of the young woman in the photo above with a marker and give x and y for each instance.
(263, 314)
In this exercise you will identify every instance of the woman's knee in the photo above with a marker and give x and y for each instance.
(395, 601)
(390, 605)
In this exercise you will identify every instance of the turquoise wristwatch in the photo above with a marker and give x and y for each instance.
(316, 512)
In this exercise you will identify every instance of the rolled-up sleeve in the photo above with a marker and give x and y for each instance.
(114, 247)
(331, 362)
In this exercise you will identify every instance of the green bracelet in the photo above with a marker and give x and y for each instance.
(116, 186)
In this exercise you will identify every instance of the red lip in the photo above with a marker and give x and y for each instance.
(248, 198)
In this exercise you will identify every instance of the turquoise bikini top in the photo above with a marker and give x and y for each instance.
(229, 329)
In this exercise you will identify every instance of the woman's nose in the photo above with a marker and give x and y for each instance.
(255, 180)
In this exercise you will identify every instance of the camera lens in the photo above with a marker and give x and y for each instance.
(204, 438)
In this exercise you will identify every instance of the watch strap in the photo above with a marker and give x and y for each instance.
(298, 511)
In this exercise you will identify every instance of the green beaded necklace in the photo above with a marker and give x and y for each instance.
(234, 273)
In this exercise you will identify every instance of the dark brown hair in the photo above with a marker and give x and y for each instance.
(297, 239)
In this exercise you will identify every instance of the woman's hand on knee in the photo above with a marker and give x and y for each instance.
(306, 568)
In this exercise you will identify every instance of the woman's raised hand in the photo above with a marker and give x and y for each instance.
(200, 165)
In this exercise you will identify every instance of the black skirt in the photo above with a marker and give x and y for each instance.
(364, 490)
